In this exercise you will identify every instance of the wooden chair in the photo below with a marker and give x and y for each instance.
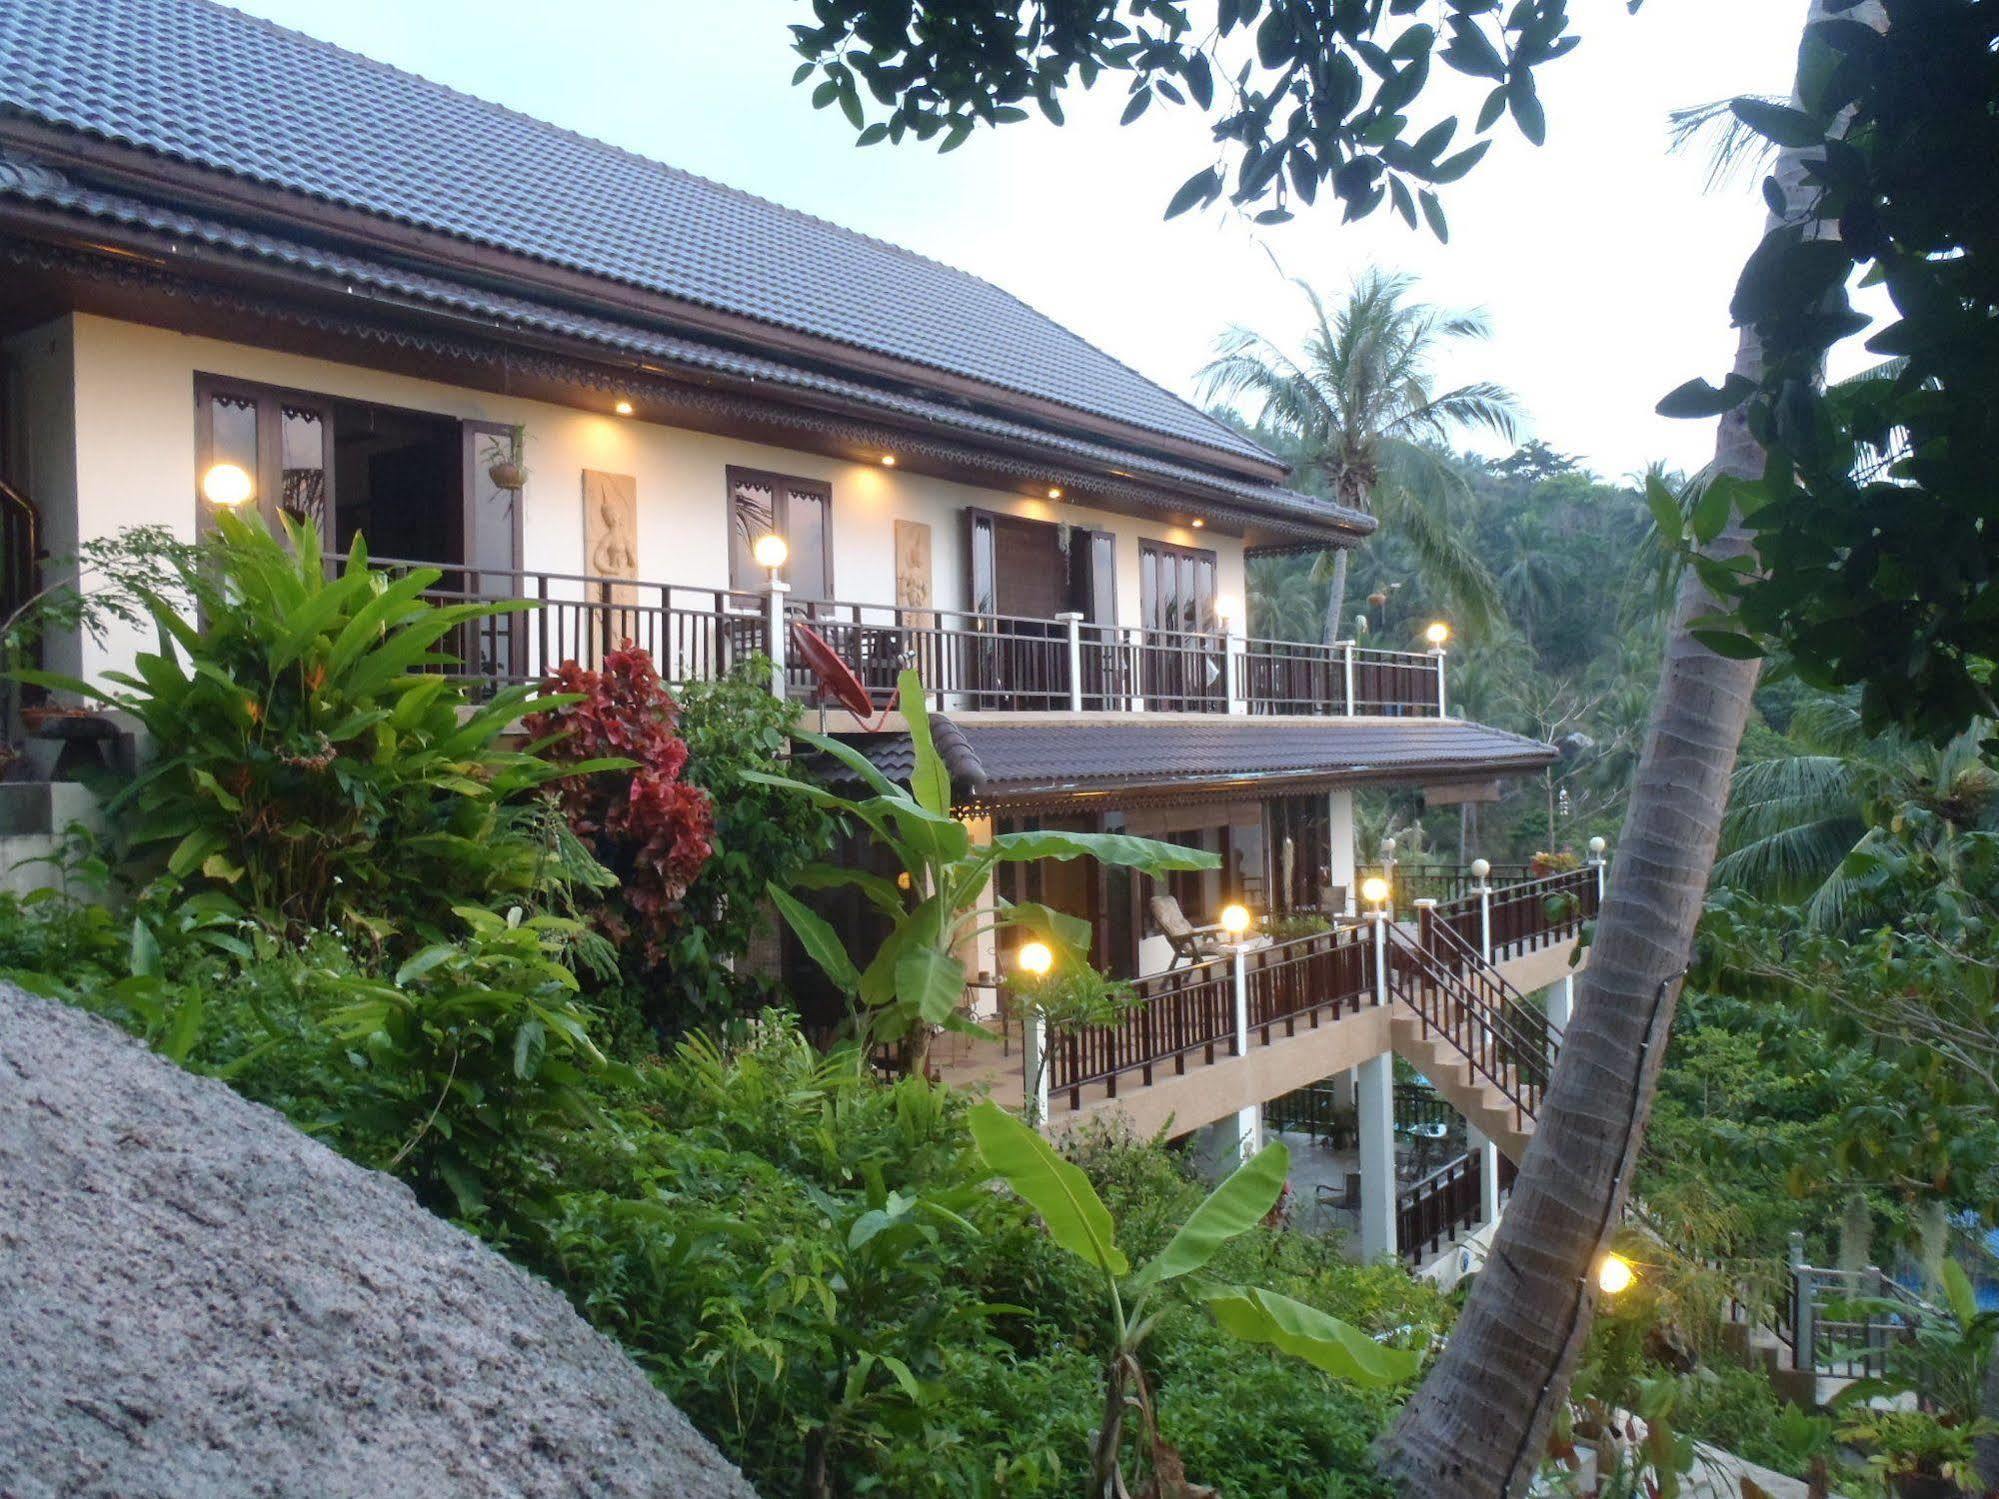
(1191, 944)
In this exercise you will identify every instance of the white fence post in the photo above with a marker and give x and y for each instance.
(1249, 1120)
(1349, 675)
(779, 635)
(1234, 650)
(1137, 639)
(1601, 865)
(1482, 871)
(1380, 920)
(1442, 710)
(1074, 621)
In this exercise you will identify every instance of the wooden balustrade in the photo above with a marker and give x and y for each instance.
(1309, 979)
(1447, 1202)
(1176, 1015)
(970, 661)
(1543, 912)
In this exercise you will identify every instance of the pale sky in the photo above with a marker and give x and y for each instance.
(1605, 268)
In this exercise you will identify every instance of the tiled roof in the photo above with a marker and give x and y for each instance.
(46, 187)
(1012, 761)
(206, 85)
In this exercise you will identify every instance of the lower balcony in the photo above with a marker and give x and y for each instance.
(968, 661)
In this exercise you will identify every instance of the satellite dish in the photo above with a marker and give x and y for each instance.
(835, 678)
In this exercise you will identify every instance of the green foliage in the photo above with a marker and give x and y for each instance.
(760, 836)
(1901, 614)
(470, 1047)
(1311, 95)
(312, 763)
(1914, 1443)
(915, 979)
(1061, 1195)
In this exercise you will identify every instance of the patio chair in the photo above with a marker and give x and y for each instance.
(1333, 900)
(1191, 944)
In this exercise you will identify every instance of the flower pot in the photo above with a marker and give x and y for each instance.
(508, 475)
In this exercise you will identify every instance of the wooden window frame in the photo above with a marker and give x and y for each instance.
(779, 486)
(1179, 553)
(269, 401)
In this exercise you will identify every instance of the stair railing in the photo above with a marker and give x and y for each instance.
(1444, 939)
(1499, 1049)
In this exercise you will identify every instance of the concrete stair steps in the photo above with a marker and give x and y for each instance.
(1484, 1105)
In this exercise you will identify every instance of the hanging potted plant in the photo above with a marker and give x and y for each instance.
(505, 458)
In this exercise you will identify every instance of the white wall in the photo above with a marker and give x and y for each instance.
(135, 450)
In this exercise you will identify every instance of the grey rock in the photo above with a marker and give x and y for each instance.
(197, 1299)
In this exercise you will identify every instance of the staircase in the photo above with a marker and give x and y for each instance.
(1477, 1040)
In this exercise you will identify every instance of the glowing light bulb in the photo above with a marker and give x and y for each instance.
(1374, 890)
(1614, 1274)
(227, 485)
(1054, 492)
(770, 551)
(1438, 634)
(623, 408)
(1235, 920)
(1036, 958)
(888, 460)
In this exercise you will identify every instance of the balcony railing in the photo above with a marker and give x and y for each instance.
(968, 661)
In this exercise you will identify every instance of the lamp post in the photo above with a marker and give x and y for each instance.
(1235, 923)
(1036, 958)
(1439, 635)
(771, 553)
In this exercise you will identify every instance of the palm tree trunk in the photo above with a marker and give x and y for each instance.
(1478, 1427)
(1336, 597)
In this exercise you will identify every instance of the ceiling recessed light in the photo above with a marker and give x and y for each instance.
(623, 408)
(888, 460)
(1198, 523)
(1054, 493)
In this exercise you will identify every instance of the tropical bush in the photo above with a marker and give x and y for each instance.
(735, 729)
(313, 763)
(614, 733)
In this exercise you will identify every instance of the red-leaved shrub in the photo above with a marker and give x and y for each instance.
(646, 825)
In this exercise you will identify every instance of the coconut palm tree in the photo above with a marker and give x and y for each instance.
(1794, 821)
(1479, 1425)
(1357, 409)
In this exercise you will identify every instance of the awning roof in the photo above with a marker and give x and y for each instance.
(1146, 760)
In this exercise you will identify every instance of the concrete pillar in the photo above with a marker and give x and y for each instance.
(1374, 1093)
(1488, 1177)
(1340, 844)
(1343, 1089)
(1562, 1001)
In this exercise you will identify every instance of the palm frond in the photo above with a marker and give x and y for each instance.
(1732, 147)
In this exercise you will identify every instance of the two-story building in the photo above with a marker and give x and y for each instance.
(239, 266)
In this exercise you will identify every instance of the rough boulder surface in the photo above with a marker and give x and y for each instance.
(197, 1299)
